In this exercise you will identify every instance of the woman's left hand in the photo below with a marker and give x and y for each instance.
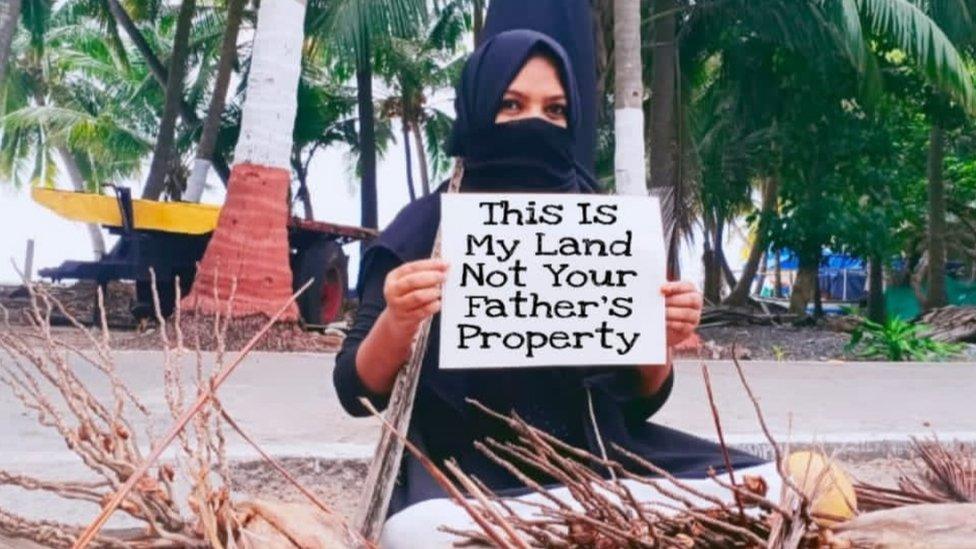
(683, 305)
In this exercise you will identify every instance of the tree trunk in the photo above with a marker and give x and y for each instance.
(367, 140)
(710, 263)
(406, 152)
(78, 183)
(730, 280)
(663, 101)
(778, 282)
(250, 243)
(418, 138)
(603, 36)
(725, 272)
(161, 75)
(211, 125)
(164, 155)
(664, 117)
(803, 286)
(9, 18)
(629, 163)
(818, 310)
(740, 292)
(301, 173)
(937, 226)
(478, 21)
(713, 276)
(876, 300)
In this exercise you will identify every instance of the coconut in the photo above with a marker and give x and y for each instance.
(828, 487)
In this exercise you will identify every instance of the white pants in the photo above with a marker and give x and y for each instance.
(417, 525)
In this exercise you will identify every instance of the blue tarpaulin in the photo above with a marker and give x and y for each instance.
(842, 277)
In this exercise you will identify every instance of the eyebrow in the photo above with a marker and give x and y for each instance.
(520, 95)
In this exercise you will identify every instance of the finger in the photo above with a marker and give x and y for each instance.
(682, 315)
(692, 300)
(422, 313)
(680, 287)
(421, 265)
(416, 281)
(682, 327)
(680, 332)
(416, 299)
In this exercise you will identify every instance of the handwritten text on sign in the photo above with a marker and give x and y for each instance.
(551, 280)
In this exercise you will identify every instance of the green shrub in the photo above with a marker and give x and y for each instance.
(898, 340)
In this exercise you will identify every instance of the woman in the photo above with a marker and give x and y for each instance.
(515, 124)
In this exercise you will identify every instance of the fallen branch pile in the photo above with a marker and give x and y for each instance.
(603, 512)
(42, 371)
(951, 324)
(723, 315)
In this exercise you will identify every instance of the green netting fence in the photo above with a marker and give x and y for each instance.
(902, 303)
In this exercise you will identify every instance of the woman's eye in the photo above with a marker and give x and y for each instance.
(510, 105)
(556, 110)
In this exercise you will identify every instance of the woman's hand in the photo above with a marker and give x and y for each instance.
(413, 293)
(683, 304)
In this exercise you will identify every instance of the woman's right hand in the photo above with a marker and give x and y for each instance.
(413, 292)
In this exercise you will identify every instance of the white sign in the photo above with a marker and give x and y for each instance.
(552, 280)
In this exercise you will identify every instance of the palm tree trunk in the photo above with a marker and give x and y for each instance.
(250, 243)
(629, 163)
(710, 262)
(663, 105)
(418, 138)
(300, 170)
(937, 227)
(161, 75)
(367, 139)
(409, 159)
(164, 155)
(9, 18)
(876, 301)
(740, 292)
(211, 125)
(664, 117)
(78, 183)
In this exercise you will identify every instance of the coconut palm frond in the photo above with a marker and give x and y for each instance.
(352, 24)
(925, 42)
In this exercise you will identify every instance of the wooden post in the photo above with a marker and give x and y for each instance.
(385, 466)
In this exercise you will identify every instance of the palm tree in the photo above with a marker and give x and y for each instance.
(211, 124)
(824, 33)
(958, 20)
(664, 113)
(628, 97)
(163, 155)
(118, 16)
(250, 243)
(9, 17)
(68, 96)
(415, 69)
(356, 28)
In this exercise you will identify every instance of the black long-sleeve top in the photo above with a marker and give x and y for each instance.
(557, 400)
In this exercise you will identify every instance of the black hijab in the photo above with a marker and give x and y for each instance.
(529, 155)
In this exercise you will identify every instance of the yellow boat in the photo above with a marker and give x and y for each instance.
(170, 217)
